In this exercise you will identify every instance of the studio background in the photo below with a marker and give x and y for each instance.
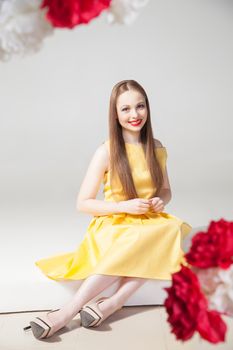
(54, 114)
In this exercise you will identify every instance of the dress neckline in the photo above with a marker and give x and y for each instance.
(135, 144)
(140, 144)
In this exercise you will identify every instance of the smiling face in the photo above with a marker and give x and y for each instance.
(132, 112)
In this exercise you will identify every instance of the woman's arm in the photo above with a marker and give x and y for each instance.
(165, 193)
(86, 200)
(98, 207)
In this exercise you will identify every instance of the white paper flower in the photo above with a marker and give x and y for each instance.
(208, 278)
(217, 285)
(222, 298)
(124, 11)
(22, 27)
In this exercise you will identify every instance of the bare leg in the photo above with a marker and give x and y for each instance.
(89, 289)
(128, 286)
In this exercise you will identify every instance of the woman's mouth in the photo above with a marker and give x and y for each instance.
(136, 122)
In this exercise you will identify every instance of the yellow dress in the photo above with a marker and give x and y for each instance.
(143, 245)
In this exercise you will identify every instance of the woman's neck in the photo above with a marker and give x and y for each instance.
(129, 138)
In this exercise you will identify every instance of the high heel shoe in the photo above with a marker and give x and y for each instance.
(40, 328)
(90, 314)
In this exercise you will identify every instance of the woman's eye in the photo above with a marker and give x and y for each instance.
(139, 106)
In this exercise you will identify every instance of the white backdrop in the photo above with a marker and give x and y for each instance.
(54, 113)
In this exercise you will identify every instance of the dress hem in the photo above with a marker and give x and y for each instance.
(121, 274)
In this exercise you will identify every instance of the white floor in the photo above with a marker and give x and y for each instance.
(142, 327)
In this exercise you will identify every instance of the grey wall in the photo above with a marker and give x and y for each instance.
(54, 110)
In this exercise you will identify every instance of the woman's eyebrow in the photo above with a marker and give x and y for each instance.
(129, 105)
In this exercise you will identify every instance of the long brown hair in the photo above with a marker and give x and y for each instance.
(119, 164)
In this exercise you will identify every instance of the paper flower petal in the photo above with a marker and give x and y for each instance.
(22, 27)
(124, 11)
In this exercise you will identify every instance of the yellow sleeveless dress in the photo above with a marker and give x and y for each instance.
(143, 245)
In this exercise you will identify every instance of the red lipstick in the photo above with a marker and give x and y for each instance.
(136, 123)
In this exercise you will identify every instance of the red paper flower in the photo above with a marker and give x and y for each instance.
(69, 13)
(214, 247)
(187, 308)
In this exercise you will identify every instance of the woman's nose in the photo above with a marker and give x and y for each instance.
(134, 113)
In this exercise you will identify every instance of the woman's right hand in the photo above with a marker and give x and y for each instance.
(135, 206)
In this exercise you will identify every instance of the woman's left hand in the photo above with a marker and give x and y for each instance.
(156, 204)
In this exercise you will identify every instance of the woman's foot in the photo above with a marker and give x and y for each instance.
(46, 325)
(43, 327)
(57, 319)
(93, 314)
(108, 307)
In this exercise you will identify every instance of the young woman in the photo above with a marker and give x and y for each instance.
(130, 237)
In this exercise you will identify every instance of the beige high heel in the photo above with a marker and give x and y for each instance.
(90, 314)
(40, 328)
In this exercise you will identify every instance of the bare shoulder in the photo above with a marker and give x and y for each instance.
(102, 154)
(158, 143)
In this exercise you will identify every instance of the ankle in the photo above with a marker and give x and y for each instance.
(114, 303)
(66, 314)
